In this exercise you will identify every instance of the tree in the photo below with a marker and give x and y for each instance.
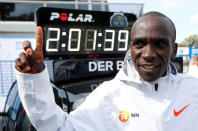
(191, 41)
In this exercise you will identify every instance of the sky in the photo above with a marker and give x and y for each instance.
(183, 13)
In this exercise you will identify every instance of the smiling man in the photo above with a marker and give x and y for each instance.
(153, 45)
(147, 94)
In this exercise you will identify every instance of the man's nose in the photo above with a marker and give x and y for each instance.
(148, 52)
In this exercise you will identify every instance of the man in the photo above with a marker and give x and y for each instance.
(146, 95)
(193, 67)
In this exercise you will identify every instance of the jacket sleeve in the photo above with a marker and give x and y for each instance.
(38, 101)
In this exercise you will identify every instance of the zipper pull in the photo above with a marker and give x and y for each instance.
(156, 87)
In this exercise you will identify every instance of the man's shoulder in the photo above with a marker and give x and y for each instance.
(105, 90)
(187, 79)
(185, 76)
(104, 93)
(107, 87)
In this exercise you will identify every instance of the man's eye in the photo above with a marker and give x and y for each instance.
(139, 44)
(161, 44)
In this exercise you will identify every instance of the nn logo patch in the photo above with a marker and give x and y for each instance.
(124, 115)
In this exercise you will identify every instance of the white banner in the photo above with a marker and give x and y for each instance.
(10, 47)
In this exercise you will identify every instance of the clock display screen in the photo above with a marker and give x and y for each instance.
(83, 34)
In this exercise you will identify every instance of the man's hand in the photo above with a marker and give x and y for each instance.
(31, 61)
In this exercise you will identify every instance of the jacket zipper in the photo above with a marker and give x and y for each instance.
(156, 115)
(156, 87)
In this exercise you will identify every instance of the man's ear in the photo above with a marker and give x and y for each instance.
(174, 53)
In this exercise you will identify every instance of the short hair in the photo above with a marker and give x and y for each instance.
(155, 13)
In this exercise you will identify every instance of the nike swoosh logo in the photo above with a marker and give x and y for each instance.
(177, 113)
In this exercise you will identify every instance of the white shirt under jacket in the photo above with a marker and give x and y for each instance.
(149, 110)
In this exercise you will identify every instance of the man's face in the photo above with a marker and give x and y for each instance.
(152, 47)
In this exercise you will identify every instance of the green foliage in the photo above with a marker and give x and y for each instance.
(190, 41)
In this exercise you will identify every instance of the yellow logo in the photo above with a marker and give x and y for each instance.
(124, 116)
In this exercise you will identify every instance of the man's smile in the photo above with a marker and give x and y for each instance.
(148, 67)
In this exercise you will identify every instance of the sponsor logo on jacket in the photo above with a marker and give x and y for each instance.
(124, 115)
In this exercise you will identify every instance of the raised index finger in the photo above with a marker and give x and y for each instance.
(39, 39)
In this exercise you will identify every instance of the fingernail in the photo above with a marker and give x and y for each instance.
(30, 52)
(27, 68)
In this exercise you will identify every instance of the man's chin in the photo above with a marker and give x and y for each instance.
(149, 77)
(149, 80)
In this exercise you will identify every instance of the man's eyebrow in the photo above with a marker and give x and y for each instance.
(161, 39)
(139, 39)
(153, 39)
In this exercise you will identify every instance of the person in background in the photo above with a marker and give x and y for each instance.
(193, 67)
(178, 63)
(147, 94)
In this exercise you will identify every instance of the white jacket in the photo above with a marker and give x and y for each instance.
(171, 107)
(193, 71)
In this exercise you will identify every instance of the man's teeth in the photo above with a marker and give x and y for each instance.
(149, 66)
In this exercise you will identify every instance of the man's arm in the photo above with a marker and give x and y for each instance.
(35, 90)
(37, 97)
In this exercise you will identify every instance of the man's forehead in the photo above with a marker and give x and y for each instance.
(157, 24)
(151, 20)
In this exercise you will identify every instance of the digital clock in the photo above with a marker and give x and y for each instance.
(84, 34)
